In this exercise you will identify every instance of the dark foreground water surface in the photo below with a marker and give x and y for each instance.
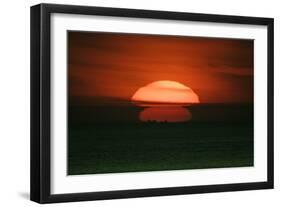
(128, 138)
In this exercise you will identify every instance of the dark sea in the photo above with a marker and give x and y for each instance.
(128, 137)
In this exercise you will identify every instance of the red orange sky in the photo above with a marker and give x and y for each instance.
(115, 65)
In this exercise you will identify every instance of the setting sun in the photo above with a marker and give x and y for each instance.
(166, 92)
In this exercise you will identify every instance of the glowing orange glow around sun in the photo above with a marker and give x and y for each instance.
(166, 92)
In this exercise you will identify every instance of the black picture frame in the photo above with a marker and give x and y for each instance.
(41, 96)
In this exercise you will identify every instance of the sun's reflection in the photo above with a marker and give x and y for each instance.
(165, 114)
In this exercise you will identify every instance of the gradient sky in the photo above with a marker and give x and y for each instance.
(115, 65)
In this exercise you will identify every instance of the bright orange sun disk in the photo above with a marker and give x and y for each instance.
(166, 92)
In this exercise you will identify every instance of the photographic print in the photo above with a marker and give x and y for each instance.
(141, 102)
(132, 103)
